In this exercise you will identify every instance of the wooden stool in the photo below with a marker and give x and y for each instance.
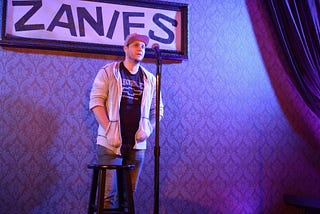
(99, 181)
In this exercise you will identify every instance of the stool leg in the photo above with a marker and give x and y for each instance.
(120, 188)
(102, 184)
(125, 187)
(94, 185)
(130, 192)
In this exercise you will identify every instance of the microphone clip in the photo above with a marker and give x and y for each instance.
(156, 49)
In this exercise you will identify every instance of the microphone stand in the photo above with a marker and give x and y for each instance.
(157, 147)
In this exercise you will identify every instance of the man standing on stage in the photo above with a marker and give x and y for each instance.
(123, 100)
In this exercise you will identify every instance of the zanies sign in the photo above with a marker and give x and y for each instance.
(95, 26)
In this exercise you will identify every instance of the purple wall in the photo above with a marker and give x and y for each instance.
(236, 135)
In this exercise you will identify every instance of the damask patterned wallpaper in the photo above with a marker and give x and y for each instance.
(236, 135)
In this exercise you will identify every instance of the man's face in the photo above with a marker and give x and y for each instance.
(135, 51)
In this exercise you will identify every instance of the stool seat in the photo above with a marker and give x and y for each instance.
(111, 166)
(98, 185)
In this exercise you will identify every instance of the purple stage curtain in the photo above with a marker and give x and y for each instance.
(297, 22)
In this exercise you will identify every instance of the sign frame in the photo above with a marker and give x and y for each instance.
(107, 49)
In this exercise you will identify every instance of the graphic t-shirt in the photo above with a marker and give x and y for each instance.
(130, 106)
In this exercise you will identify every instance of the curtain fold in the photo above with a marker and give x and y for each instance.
(297, 22)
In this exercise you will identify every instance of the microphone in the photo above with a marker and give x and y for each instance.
(156, 49)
